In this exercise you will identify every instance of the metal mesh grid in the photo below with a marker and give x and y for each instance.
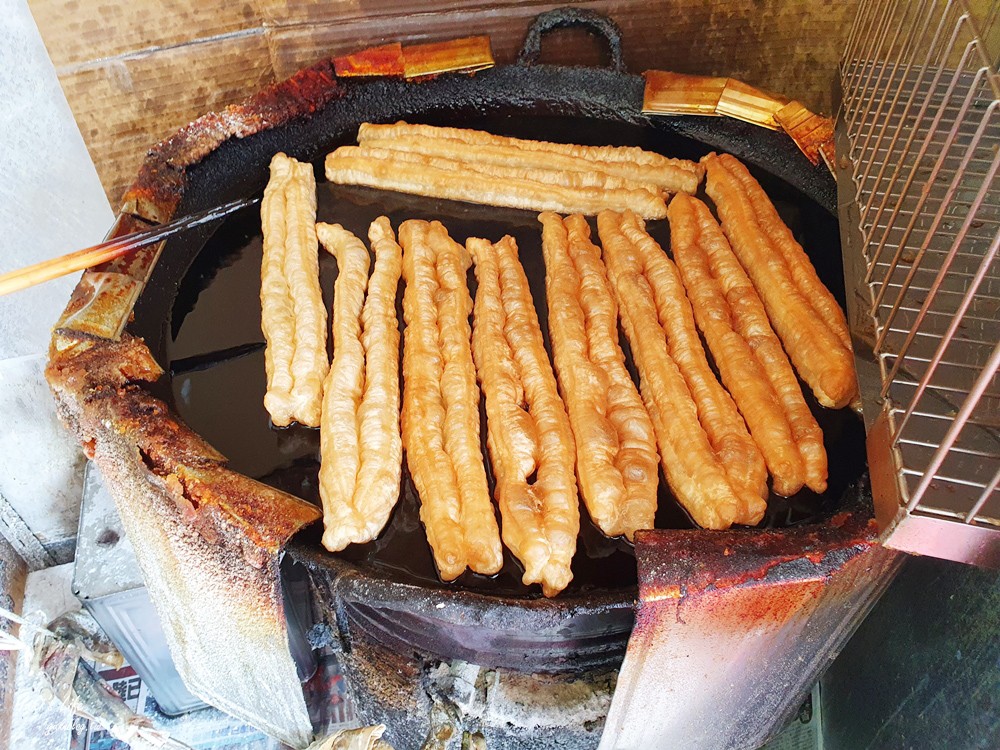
(921, 113)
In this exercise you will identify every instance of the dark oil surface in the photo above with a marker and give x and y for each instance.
(216, 357)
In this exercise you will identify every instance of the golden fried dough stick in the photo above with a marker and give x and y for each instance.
(798, 262)
(360, 426)
(692, 228)
(346, 167)
(343, 390)
(461, 400)
(654, 178)
(292, 315)
(440, 417)
(693, 470)
(423, 412)
(816, 350)
(503, 170)
(528, 430)
(750, 321)
(726, 430)
(615, 444)
(673, 175)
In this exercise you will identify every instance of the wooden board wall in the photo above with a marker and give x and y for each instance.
(136, 70)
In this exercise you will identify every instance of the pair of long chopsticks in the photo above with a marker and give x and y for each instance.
(53, 268)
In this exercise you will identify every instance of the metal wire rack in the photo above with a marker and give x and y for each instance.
(918, 144)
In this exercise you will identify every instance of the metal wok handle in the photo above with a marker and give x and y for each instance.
(597, 24)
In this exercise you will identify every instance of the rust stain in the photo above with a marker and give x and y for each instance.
(468, 54)
(386, 60)
(159, 187)
(101, 304)
(704, 561)
(657, 594)
(744, 102)
(104, 380)
(811, 132)
(96, 372)
(680, 94)
(156, 192)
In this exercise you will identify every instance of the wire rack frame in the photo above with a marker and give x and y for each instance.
(918, 137)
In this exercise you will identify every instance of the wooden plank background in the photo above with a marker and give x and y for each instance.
(136, 70)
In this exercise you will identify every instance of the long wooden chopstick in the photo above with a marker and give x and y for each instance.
(79, 260)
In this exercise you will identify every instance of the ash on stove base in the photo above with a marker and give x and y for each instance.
(435, 705)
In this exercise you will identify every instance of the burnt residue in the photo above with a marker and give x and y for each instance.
(682, 563)
(156, 192)
(420, 698)
(560, 18)
(135, 264)
(535, 635)
(98, 387)
(162, 180)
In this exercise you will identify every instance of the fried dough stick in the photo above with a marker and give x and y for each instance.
(749, 320)
(503, 170)
(798, 262)
(344, 387)
(794, 307)
(692, 468)
(726, 430)
(671, 175)
(632, 154)
(352, 166)
(692, 229)
(440, 418)
(293, 318)
(360, 426)
(616, 455)
(528, 430)
(653, 178)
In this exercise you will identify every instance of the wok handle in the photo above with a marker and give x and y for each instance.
(596, 23)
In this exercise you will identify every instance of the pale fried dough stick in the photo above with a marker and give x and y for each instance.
(360, 426)
(347, 168)
(694, 472)
(653, 178)
(750, 321)
(692, 228)
(673, 175)
(340, 447)
(615, 444)
(441, 425)
(798, 262)
(726, 430)
(292, 315)
(378, 417)
(816, 350)
(504, 170)
(528, 430)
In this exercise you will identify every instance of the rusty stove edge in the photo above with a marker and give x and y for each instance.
(689, 562)
(749, 590)
(90, 330)
(96, 372)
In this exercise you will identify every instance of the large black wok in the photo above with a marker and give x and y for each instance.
(200, 317)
